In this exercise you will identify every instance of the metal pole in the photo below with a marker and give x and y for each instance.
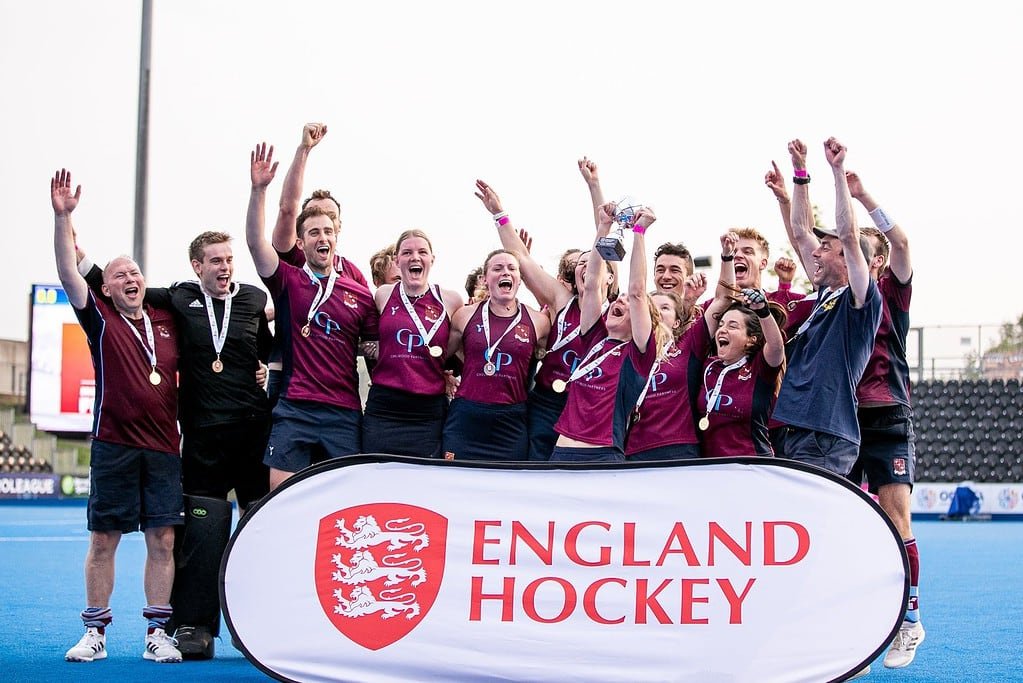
(142, 139)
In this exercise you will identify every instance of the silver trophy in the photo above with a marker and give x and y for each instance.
(612, 247)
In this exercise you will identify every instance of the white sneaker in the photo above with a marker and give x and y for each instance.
(92, 646)
(904, 646)
(161, 648)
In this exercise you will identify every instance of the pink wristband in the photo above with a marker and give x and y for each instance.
(799, 172)
(503, 221)
(639, 229)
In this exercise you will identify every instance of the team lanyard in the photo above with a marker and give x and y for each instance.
(587, 365)
(435, 351)
(321, 295)
(150, 350)
(486, 330)
(832, 293)
(712, 395)
(219, 336)
(561, 339)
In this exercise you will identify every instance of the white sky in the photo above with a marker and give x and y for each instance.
(683, 105)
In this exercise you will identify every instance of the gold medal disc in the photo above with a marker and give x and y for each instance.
(704, 423)
(436, 351)
(305, 330)
(559, 385)
(217, 366)
(154, 378)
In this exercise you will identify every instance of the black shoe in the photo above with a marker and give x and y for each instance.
(195, 642)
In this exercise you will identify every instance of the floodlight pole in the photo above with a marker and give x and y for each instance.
(142, 140)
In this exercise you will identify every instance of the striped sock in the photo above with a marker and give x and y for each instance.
(97, 617)
(913, 605)
(158, 615)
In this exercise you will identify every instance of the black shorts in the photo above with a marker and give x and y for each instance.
(887, 447)
(133, 488)
(218, 458)
(305, 432)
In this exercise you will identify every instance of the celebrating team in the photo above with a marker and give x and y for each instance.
(599, 374)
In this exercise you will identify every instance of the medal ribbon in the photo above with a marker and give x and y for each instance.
(653, 371)
(712, 395)
(321, 294)
(219, 336)
(411, 309)
(587, 364)
(561, 340)
(486, 330)
(820, 304)
(151, 349)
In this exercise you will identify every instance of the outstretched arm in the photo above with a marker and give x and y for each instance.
(262, 169)
(639, 311)
(845, 224)
(588, 169)
(284, 235)
(595, 281)
(64, 240)
(725, 289)
(801, 217)
(774, 342)
(899, 261)
(544, 286)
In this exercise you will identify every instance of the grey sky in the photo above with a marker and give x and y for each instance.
(682, 106)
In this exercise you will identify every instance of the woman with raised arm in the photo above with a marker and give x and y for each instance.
(564, 346)
(739, 385)
(407, 405)
(605, 385)
(497, 340)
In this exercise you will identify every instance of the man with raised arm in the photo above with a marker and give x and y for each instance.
(829, 352)
(225, 422)
(888, 453)
(135, 470)
(320, 317)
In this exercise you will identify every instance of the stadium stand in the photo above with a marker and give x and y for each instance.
(968, 430)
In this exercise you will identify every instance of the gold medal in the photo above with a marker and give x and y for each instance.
(540, 353)
(704, 423)
(154, 377)
(634, 416)
(218, 366)
(489, 369)
(559, 385)
(436, 351)
(305, 330)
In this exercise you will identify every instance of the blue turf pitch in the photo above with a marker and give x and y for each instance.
(971, 600)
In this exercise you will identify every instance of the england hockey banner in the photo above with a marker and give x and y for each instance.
(375, 568)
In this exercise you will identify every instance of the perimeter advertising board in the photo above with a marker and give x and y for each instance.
(385, 569)
(61, 380)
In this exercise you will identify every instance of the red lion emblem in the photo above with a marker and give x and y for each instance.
(376, 562)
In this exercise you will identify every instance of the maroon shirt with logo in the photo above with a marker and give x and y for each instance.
(129, 410)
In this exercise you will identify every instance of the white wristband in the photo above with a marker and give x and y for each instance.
(881, 220)
(499, 216)
(84, 266)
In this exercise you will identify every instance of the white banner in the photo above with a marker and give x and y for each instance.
(995, 499)
(379, 569)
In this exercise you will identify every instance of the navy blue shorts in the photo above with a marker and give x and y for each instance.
(831, 452)
(486, 431)
(305, 433)
(575, 454)
(675, 451)
(544, 407)
(887, 447)
(218, 458)
(400, 423)
(133, 488)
